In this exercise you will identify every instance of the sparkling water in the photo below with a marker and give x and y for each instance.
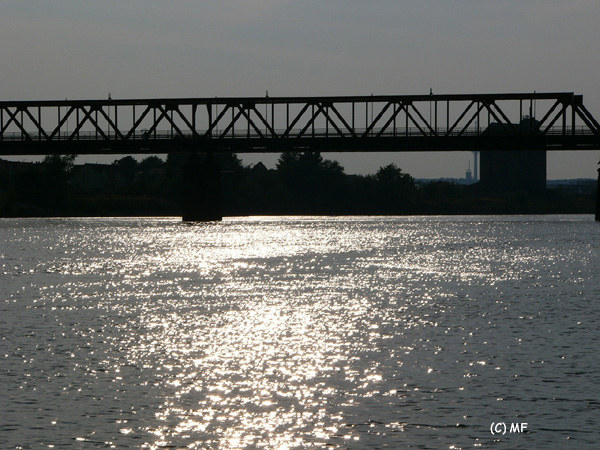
(300, 331)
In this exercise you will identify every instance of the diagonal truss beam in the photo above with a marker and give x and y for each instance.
(263, 121)
(233, 121)
(549, 113)
(374, 122)
(112, 124)
(397, 109)
(507, 121)
(87, 117)
(431, 130)
(461, 117)
(562, 112)
(165, 114)
(62, 121)
(17, 122)
(295, 120)
(473, 117)
(7, 124)
(414, 122)
(496, 118)
(586, 120)
(341, 119)
(251, 122)
(154, 126)
(325, 111)
(311, 121)
(213, 123)
(182, 116)
(41, 131)
(138, 122)
(591, 118)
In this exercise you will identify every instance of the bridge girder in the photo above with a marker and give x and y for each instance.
(276, 124)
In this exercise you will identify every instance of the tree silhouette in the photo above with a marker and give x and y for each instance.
(393, 189)
(312, 184)
(55, 173)
(127, 167)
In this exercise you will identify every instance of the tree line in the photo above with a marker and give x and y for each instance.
(301, 183)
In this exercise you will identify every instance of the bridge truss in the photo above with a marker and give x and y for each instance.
(554, 121)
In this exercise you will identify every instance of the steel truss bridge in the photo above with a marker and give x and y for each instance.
(553, 121)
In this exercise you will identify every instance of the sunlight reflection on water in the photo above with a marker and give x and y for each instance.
(287, 332)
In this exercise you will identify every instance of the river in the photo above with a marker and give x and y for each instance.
(352, 332)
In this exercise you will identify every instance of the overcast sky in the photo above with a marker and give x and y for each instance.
(56, 49)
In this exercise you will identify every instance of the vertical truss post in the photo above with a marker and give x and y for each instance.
(247, 122)
(210, 120)
(233, 121)
(313, 120)
(39, 111)
(265, 120)
(154, 123)
(520, 110)
(58, 114)
(194, 110)
(531, 108)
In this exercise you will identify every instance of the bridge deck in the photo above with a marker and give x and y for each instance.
(555, 121)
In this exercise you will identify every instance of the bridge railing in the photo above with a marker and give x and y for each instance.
(33, 136)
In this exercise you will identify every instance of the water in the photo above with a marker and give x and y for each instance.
(287, 332)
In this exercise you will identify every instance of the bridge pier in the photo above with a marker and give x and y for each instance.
(201, 189)
(598, 198)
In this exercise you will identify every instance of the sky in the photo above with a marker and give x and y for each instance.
(56, 49)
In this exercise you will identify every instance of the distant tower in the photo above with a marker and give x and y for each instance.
(468, 177)
(475, 164)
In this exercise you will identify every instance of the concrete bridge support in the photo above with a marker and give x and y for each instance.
(201, 189)
(598, 198)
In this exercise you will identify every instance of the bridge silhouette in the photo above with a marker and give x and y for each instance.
(278, 124)
(476, 122)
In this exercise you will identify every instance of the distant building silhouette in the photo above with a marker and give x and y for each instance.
(259, 167)
(468, 175)
(578, 186)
